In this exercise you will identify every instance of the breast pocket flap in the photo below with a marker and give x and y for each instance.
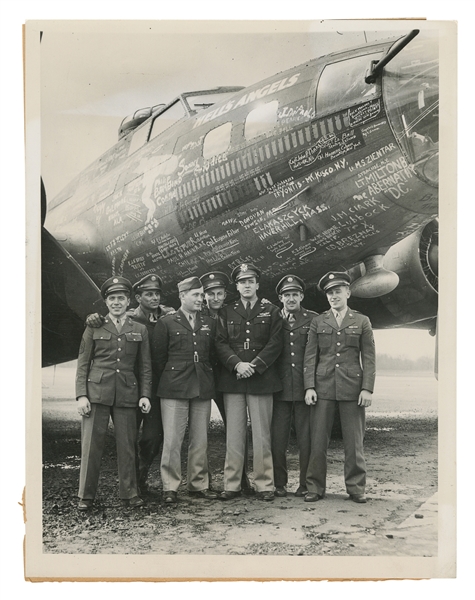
(99, 334)
(133, 337)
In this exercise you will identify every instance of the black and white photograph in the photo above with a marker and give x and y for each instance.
(238, 364)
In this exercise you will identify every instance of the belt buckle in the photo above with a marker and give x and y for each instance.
(196, 358)
(246, 345)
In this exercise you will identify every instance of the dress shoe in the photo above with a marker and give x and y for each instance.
(358, 498)
(301, 491)
(267, 496)
(313, 497)
(280, 492)
(170, 497)
(229, 495)
(85, 504)
(206, 494)
(135, 502)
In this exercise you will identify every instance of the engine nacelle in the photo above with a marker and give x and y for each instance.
(414, 301)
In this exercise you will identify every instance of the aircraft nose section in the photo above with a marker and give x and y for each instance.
(80, 238)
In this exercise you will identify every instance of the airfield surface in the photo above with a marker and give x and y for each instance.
(399, 519)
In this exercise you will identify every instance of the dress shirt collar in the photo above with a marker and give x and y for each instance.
(342, 313)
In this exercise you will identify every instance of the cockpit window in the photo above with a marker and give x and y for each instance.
(217, 140)
(342, 84)
(139, 138)
(261, 120)
(164, 120)
(411, 92)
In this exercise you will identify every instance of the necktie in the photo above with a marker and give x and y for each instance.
(118, 325)
(248, 309)
(338, 319)
(192, 321)
(290, 318)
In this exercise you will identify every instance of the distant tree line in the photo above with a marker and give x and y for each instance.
(402, 363)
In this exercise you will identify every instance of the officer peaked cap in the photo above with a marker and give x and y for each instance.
(214, 279)
(149, 282)
(290, 282)
(116, 284)
(332, 279)
(245, 271)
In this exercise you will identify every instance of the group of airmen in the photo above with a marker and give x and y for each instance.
(155, 371)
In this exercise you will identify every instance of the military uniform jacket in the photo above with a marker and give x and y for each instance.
(181, 356)
(114, 368)
(339, 363)
(257, 339)
(290, 362)
(138, 315)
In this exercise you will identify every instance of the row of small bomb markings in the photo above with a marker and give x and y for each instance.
(251, 358)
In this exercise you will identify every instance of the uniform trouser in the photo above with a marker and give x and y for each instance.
(93, 437)
(175, 416)
(352, 419)
(151, 438)
(260, 413)
(281, 425)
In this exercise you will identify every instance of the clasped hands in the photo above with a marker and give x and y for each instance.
(244, 370)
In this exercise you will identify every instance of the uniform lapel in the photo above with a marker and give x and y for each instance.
(182, 319)
(128, 326)
(239, 308)
(330, 319)
(349, 319)
(198, 322)
(109, 326)
(256, 309)
(300, 319)
(286, 325)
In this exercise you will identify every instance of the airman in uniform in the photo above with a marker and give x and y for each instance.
(215, 286)
(339, 374)
(114, 377)
(147, 293)
(181, 348)
(248, 342)
(290, 402)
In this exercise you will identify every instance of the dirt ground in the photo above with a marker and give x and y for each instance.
(399, 519)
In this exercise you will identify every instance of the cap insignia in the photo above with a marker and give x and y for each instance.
(244, 268)
(331, 276)
(211, 276)
(289, 279)
(115, 280)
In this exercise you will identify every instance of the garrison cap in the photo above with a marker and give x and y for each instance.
(116, 284)
(245, 271)
(290, 282)
(332, 279)
(191, 283)
(149, 282)
(214, 279)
